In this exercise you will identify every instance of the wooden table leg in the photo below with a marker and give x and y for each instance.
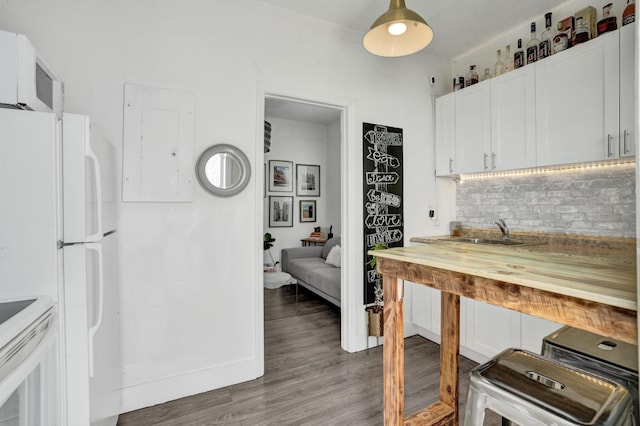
(393, 357)
(449, 351)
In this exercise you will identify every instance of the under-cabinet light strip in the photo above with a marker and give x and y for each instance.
(601, 165)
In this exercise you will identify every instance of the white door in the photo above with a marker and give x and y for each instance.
(445, 134)
(490, 329)
(627, 90)
(88, 168)
(513, 120)
(92, 332)
(104, 332)
(577, 103)
(473, 128)
(28, 212)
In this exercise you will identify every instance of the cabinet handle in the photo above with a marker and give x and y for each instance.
(625, 142)
(609, 140)
(493, 160)
(450, 165)
(485, 162)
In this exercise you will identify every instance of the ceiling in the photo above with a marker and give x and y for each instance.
(457, 25)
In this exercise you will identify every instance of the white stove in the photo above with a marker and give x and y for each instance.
(27, 373)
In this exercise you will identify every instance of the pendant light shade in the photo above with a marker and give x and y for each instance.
(398, 32)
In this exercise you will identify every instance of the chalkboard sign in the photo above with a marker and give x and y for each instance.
(382, 211)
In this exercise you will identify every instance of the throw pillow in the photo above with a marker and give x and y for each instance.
(334, 257)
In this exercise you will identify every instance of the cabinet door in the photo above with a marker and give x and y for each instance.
(426, 308)
(627, 90)
(513, 133)
(473, 128)
(445, 135)
(490, 329)
(577, 103)
(535, 329)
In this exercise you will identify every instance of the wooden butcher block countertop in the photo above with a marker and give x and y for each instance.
(598, 273)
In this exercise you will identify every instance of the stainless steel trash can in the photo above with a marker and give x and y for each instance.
(610, 358)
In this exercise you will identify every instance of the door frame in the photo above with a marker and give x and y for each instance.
(351, 291)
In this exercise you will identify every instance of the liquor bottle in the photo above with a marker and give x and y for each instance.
(508, 59)
(629, 14)
(458, 83)
(607, 23)
(561, 40)
(487, 75)
(518, 57)
(499, 66)
(532, 46)
(472, 76)
(546, 39)
(582, 31)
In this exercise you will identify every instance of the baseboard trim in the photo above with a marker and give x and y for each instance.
(137, 396)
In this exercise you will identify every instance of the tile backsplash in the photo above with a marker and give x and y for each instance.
(597, 201)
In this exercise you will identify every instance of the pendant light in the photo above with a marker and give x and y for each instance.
(398, 32)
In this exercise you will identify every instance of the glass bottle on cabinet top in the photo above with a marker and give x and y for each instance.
(629, 14)
(487, 75)
(607, 23)
(532, 46)
(561, 40)
(582, 31)
(499, 66)
(518, 57)
(546, 39)
(472, 76)
(508, 59)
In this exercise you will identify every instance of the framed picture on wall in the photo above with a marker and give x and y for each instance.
(280, 176)
(280, 211)
(308, 180)
(307, 210)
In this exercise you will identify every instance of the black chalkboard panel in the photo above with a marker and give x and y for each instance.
(383, 220)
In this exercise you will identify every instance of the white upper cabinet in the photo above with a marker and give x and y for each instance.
(573, 107)
(627, 116)
(445, 135)
(473, 128)
(513, 134)
(577, 103)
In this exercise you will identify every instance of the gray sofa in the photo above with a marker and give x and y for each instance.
(307, 265)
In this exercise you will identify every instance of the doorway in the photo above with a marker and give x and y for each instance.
(298, 106)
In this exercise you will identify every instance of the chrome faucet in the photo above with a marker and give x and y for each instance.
(503, 228)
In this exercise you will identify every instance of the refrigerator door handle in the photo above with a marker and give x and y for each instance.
(100, 302)
(98, 187)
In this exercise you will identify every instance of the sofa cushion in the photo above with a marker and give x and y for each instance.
(334, 257)
(329, 245)
(302, 267)
(326, 280)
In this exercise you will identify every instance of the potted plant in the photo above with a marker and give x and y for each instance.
(375, 312)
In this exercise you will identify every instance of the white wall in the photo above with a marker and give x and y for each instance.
(191, 272)
(303, 143)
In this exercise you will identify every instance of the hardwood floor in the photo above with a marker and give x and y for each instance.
(309, 379)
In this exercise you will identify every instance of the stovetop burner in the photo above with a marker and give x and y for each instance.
(9, 309)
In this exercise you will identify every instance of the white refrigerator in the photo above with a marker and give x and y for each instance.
(58, 238)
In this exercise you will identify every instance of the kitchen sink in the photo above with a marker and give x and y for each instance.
(487, 241)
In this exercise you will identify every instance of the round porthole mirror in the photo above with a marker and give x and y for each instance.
(223, 170)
